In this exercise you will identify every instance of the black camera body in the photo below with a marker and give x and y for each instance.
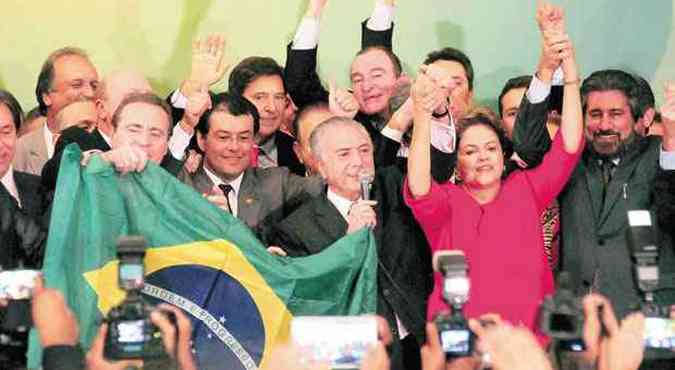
(659, 327)
(455, 336)
(562, 317)
(457, 340)
(131, 334)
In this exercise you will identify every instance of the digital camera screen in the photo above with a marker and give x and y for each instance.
(563, 322)
(131, 273)
(130, 331)
(455, 341)
(659, 333)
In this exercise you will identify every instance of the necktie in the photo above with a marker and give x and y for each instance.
(227, 188)
(607, 168)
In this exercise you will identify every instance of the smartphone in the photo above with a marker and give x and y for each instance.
(659, 333)
(341, 341)
(17, 284)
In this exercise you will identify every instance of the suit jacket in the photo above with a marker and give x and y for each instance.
(32, 201)
(286, 155)
(265, 197)
(304, 86)
(594, 248)
(404, 268)
(31, 152)
(22, 235)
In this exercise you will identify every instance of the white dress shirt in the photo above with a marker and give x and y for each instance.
(49, 140)
(343, 206)
(235, 184)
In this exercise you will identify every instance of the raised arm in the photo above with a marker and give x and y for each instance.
(302, 81)
(425, 96)
(571, 127)
(530, 136)
(378, 30)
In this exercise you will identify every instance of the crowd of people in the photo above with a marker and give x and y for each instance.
(542, 186)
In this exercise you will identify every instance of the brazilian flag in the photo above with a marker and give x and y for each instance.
(239, 297)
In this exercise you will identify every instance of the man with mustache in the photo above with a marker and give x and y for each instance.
(616, 174)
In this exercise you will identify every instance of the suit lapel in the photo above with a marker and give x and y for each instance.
(38, 149)
(329, 219)
(248, 200)
(594, 186)
(100, 141)
(616, 185)
(28, 193)
(201, 181)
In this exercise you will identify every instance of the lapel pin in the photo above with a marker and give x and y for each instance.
(249, 200)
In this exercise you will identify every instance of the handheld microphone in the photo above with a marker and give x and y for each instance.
(365, 179)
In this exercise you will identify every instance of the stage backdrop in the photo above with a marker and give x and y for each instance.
(500, 36)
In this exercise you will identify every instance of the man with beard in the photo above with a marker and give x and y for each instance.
(616, 174)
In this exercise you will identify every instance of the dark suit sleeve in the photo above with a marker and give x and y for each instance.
(530, 136)
(297, 190)
(176, 113)
(302, 80)
(77, 135)
(371, 38)
(664, 198)
(171, 164)
(286, 155)
(63, 358)
(285, 235)
(385, 151)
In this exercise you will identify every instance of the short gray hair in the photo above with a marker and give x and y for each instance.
(317, 136)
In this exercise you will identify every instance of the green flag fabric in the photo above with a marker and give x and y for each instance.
(239, 297)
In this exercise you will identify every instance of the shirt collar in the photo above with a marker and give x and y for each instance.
(49, 140)
(342, 204)
(236, 183)
(10, 185)
(269, 146)
(106, 138)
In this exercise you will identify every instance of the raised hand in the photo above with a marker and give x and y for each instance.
(426, 94)
(192, 161)
(668, 116)
(550, 17)
(198, 102)
(315, 8)
(341, 102)
(126, 159)
(668, 108)
(208, 62)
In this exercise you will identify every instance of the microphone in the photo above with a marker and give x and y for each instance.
(365, 179)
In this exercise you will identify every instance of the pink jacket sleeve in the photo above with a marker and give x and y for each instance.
(431, 210)
(550, 177)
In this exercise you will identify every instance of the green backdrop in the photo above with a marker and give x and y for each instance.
(500, 36)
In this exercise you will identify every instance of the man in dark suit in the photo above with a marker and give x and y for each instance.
(344, 156)
(616, 174)
(21, 206)
(375, 58)
(258, 197)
